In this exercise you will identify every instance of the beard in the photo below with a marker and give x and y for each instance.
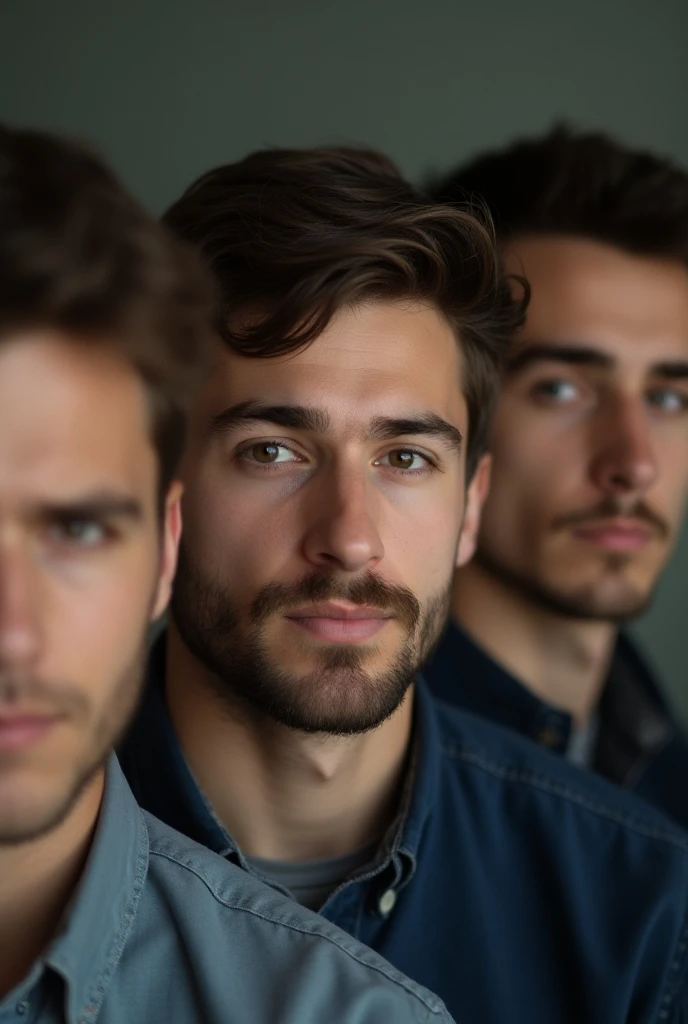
(610, 597)
(613, 601)
(25, 821)
(340, 697)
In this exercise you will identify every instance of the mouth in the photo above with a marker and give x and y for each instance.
(20, 730)
(339, 621)
(616, 534)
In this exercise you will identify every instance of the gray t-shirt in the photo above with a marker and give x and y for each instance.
(310, 882)
(162, 931)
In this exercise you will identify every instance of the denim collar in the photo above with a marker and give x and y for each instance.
(86, 951)
(634, 721)
(164, 783)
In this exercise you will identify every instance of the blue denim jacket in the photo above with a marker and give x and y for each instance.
(517, 887)
(639, 743)
(161, 931)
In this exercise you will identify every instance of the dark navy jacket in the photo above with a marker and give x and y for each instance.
(639, 744)
(518, 888)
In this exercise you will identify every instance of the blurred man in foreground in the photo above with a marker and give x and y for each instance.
(590, 460)
(105, 913)
(333, 480)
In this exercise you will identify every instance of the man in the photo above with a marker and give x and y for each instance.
(590, 471)
(333, 479)
(106, 914)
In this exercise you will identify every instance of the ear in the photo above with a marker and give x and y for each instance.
(171, 532)
(475, 499)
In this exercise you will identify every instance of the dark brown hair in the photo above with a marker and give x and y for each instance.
(579, 183)
(303, 233)
(78, 254)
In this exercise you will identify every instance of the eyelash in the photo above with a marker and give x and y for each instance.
(428, 467)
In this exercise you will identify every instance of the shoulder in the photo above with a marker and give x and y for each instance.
(473, 746)
(234, 913)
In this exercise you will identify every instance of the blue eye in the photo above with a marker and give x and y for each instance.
(558, 391)
(78, 533)
(668, 400)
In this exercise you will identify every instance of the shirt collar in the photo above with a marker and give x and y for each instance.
(165, 786)
(96, 925)
(160, 776)
(461, 672)
(633, 723)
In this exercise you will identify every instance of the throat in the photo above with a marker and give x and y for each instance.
(562, 660)
(37, 881)
(286, 795)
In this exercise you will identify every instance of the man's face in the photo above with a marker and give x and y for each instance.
(324, 498)
(590, 441)
(83, 566)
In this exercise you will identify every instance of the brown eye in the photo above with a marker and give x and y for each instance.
(401, 459)
(265, 452)
(406, 459)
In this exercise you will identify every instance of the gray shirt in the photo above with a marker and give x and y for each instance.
(162, 931)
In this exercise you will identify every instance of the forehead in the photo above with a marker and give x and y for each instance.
(375, 359)
(72, 417)
(584, 291)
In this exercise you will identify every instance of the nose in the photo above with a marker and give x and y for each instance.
(342, 532)
(20, 631)
(625, 463)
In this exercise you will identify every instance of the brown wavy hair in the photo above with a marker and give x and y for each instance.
(572, 182)
(304, 233)
(79, 255)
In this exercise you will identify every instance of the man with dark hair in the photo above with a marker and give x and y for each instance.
(590, 450)
(333, 480)
(106, 914)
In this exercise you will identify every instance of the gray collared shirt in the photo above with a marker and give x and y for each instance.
(162, 931)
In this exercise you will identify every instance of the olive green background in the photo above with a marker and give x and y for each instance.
(168, 88)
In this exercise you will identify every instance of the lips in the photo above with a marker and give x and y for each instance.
(19, 731)
(339, 621)
(616, 534)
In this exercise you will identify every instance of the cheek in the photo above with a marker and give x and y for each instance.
(237, 529)
(419, 527)
(97, 622)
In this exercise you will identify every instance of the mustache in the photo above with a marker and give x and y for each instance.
(368, 589)
(612, 508)
(19, 689)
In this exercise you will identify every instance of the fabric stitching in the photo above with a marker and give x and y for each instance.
(554, 788)
(437, 1008)
(678, 961)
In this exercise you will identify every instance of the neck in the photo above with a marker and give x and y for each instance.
(37, 879)
(563, 661)
(284, 794)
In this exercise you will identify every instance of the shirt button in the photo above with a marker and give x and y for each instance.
(549, 737)
(22, 1008)
(387, 901)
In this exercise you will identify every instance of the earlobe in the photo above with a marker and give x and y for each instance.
(171, 534)
(476, 494)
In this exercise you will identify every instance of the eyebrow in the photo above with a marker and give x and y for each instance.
(317, 421)
(102, 505)
(429, 425)
(296, 417)
(577, 355)
(584, 355)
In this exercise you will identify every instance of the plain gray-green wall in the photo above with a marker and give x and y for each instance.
(169, 88)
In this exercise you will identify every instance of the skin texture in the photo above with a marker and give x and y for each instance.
(590, 471)
(83, 569)
(279, 516)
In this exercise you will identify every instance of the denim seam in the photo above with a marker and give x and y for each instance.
(674, 973)
(433, 1004)
(549, 785)
(92, 1008)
